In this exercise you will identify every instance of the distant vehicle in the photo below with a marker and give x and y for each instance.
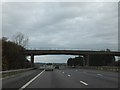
(73, 66)
(49, 67)
(35, 67)
(42, 67)
(56, 67)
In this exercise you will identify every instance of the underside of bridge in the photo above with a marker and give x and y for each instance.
(85, 60)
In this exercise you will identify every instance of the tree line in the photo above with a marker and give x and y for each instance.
(94, 60)
(77, 61)
(13, 56)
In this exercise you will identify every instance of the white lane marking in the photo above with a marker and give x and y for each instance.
(83, 83)
(69, 75)
(63, 72)
(76, 70)
(31, 81)
(100, 74)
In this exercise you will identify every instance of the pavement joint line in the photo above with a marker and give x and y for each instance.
(83, 83)
(24, 86)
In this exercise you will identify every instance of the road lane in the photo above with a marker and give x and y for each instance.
(28, 83)
(68, 78)
(104, 80)
(20, 79)
(54, 79)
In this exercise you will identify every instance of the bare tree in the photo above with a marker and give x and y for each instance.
(20, 39)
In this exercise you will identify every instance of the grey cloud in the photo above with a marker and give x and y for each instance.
(63, 25)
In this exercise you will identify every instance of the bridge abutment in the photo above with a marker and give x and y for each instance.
(32, 59)
(86, 60)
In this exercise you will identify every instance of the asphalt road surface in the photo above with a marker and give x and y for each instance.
(66, 78)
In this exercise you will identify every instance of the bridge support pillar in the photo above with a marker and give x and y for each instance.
(113, 60)
(32, 60)
(86, 60)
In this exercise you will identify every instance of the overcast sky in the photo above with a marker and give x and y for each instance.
(70, 25)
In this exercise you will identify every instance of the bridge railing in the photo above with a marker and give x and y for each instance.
(40, 48)
(56, 48)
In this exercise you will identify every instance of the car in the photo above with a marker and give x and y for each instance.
(73, 66)
(42, 67)
(49, 67)
(56, 67)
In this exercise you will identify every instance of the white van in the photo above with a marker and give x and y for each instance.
(49, 67)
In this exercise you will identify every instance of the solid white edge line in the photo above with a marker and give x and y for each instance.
(24, 86)
(84, 83)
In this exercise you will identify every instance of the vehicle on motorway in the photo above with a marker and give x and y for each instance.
(56, 67)
(73, 66)
(49, 67)
(42, 67)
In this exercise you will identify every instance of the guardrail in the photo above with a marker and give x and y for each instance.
(110, 68)
(104, 68)
(13, 72)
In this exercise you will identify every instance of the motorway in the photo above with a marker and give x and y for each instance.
(63, 78)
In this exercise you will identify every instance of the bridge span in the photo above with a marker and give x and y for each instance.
(84, 53)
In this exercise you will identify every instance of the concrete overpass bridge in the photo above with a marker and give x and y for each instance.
(84, 53)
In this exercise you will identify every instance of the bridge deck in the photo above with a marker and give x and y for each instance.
(70, 52)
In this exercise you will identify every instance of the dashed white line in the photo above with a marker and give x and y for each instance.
(76, 70)
(99, 74)
(69, 75)
(31, 81)
(83, 83)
